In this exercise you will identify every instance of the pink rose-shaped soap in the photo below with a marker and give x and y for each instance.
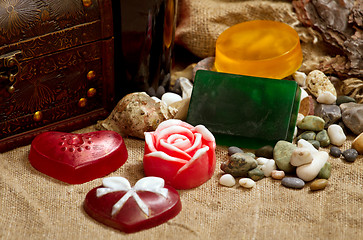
(183, 155)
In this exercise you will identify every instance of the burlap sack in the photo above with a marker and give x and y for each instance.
(201, 22)
(35, 206)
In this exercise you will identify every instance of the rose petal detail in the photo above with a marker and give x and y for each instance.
(149, 142)
(172, 150)
(171, 123)
(197, 166)
(159, 164)
(207, 135)
(197, 144)
(165, 133)
(179, 141)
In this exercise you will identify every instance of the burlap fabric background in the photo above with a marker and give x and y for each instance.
(35, 206)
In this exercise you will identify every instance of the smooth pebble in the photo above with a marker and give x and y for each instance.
(262, 160)
(357, 143)
(326, 97)
(318, 184)
(170, 98)
(303, 143)
(293, 182)
(277, 174)
(325, 171)
(350, 155)
(309, 171)
(256, 174)
(247, 182)
(268, 167)
(313, 123)
(323, 138)
(300, 78)
(335, 152)
(301, 156)
(265, 151)
(336, 135)
(227, 180)
(232, 150)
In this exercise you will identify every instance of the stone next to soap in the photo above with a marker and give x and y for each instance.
(244, 111)
(352, 115)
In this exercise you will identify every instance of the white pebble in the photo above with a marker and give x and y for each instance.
(303, 94)
(336, 135)
(276, 174)
(268, 167)
(186, 87)
(326, 98)
(262, 160)
(227, 180)
(301, 156)
(170, 98)
(247, 182)
(295, 132)
(300, 117)
(302, 143)
(156, 99)
(309, 171)
(300, 78)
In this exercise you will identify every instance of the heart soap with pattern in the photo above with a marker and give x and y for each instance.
(77, 158)
(148, 204)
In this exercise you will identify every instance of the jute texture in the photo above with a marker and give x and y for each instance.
(35, 206)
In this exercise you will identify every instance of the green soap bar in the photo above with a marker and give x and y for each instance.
(244, 111)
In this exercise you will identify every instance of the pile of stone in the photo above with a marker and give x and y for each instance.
(325, 118)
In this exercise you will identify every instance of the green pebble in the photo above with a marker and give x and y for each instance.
(315, 143)
(256, 174)
(344, 99)
(239, 164)
(308, 135)
(323, 138)
(325, 171)
(282, 155)
(313, 123)
(252, 155)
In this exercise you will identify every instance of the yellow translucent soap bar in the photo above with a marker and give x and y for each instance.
(259, 48)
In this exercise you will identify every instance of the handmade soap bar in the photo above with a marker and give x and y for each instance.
(77, 158)
(244, 111)
(183, 155)
(130, 209)
(259, 48)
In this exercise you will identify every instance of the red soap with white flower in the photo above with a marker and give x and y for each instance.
(181, 154)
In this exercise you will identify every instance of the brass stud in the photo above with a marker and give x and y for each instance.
(91, 75)
(91, 92)
(11, 89)
(82, 102)
(38, 116)
(87, 3)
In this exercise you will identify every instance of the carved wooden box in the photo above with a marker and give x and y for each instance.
(56, 66)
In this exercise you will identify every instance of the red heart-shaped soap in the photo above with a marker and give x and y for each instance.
(77, 158)
(133, 209)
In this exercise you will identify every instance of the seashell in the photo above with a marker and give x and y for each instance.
(353, 87)
(135, 114)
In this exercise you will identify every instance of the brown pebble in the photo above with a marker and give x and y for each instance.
(276, 174)
(318, 184)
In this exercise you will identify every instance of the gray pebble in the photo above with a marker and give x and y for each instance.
(315, 143)
(160, 92)
(256, 174)
(293, 182)
(151, 92)
(307, 135)
(335, 152)
(323, 138)
(232, 150)
(344, 99)
(350, 155)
